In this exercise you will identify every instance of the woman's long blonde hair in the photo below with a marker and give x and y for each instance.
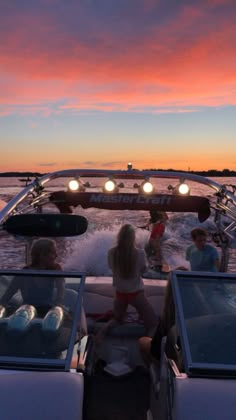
(125, 252)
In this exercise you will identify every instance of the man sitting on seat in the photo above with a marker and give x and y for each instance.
(202, 256)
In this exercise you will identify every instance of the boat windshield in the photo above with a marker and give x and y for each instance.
(40, 318)
(206, 321)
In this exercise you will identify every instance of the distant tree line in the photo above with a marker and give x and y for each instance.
(24, 174)
(209, 173)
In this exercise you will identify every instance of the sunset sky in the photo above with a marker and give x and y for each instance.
(98, 83)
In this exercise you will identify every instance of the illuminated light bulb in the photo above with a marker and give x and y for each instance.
(110, 186)
(147, 187)
(73, 185)
(183, 189)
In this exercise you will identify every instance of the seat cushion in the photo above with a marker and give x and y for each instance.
(41, 395)
(99, 295)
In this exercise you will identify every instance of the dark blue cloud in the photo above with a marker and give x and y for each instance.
(91, 21)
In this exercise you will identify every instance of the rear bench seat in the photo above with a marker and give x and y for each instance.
(98, 299)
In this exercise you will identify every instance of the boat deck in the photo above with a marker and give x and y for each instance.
(122, 398)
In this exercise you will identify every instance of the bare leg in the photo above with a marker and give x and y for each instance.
(120, 309)
(146, 312)
(119, 313)
(145, 349)
(158, 251)
(103, 331)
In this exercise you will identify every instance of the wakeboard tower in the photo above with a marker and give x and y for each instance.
(112, 190)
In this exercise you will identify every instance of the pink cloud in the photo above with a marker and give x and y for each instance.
(188, 63)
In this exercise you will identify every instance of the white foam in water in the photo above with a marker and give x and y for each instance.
(89, 252)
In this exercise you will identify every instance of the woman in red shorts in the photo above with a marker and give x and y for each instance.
(127, 263)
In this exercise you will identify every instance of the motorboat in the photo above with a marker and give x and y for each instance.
(51, 366)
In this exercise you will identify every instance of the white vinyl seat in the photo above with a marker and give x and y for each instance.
(98, 298)
(41, 395)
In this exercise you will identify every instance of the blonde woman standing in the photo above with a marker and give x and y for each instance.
(127, 263)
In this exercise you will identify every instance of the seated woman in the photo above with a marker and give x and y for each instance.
(39, 291)
(44, 292)
(127, 263)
